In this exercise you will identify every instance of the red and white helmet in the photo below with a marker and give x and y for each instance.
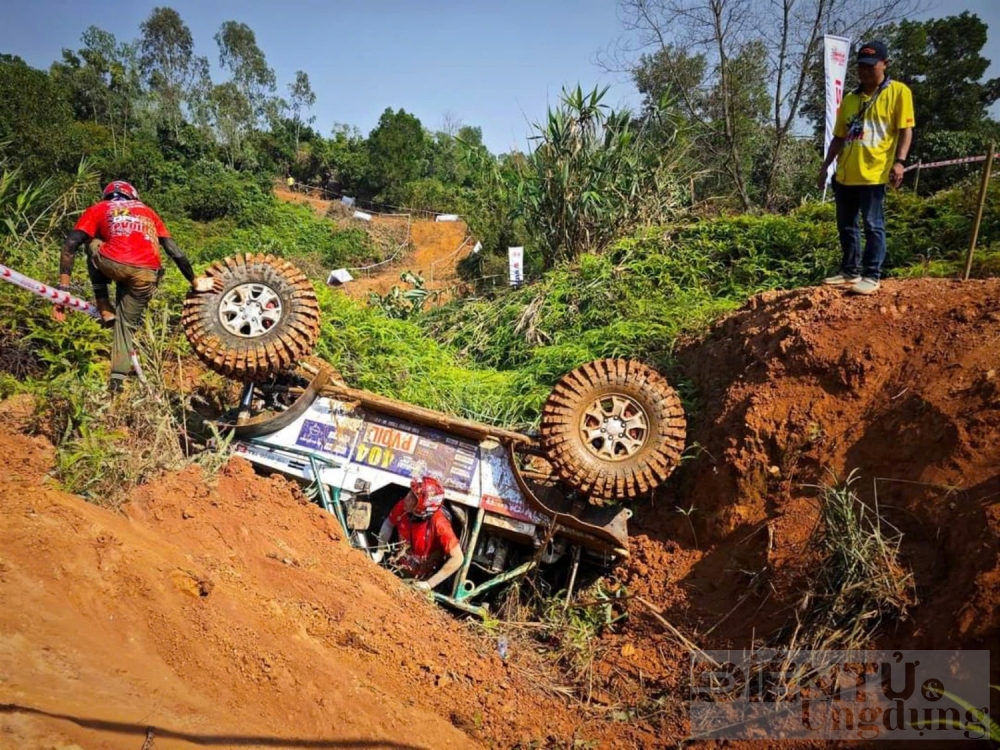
(430, 496)
(121, 189)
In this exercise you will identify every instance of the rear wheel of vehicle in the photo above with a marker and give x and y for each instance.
(263, 318)
(613, 429)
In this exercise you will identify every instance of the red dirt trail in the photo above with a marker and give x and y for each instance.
(436, 248)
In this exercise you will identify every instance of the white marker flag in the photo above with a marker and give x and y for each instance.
(835, 53)
(516, 257)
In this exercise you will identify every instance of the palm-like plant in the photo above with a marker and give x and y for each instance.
(30, 214)
(596, 174)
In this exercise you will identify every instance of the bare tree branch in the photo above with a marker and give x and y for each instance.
(670, 32)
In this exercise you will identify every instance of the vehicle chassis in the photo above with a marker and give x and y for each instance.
(346, 444)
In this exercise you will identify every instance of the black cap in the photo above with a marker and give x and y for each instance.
(872, 52)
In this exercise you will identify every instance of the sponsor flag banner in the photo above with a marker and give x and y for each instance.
(516, 257)
(835, 54)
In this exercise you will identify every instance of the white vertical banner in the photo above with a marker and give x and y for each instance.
(835, 52)
(515, 255)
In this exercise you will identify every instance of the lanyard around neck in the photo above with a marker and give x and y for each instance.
(865, 105)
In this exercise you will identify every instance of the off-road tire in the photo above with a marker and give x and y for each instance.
(256, 347)
(643, 423)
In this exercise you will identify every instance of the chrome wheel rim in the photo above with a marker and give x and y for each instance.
(250, 310)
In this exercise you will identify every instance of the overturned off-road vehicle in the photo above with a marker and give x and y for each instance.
(611, 431)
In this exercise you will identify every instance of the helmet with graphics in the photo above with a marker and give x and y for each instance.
(120, 190)
(429, 493)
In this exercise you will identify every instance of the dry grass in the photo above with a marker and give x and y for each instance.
(565, 639)
(860, 581)
(107, 444)
(17, 357)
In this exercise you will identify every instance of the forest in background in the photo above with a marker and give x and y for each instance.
(640, 228)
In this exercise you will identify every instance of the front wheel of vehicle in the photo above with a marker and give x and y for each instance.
(261, 320)
(613, 429)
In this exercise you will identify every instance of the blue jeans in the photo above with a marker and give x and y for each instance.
(868, 200)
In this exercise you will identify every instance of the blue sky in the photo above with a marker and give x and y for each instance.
(488, 63)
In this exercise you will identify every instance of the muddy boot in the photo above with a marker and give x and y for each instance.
(107, 312)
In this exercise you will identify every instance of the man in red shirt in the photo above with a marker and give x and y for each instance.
(426, 532)
(123, 237)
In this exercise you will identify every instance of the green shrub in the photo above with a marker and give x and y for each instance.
(209, 190)
(348, 245)
(639, 297)
(291, 231)
(398, 359)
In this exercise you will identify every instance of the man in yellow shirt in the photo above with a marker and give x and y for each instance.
(871, 141)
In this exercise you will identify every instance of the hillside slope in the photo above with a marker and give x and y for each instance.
(235, 611)
(798, 389)
(436, 249)
(231, 616)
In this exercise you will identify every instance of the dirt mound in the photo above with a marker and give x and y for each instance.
(437, 249)
(793, 390)
(231, 615)
(797, 387)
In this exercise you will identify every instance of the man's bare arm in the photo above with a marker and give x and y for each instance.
(905, 141)
(836, 146)
(451, 566)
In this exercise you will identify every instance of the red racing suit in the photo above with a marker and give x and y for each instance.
(428, 541)
(130, 231)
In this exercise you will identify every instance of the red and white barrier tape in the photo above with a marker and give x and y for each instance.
(949, 162)
(51, 294)
(59, 297)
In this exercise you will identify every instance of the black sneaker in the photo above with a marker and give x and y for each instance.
(115, 385)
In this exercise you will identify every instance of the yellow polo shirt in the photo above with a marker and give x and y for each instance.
(868, 155)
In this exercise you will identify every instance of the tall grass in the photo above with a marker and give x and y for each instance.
(105, 445)
(396, 358)
(859, 579)
(638, 299)
(32, 215)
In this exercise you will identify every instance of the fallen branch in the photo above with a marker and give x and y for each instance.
(684, 640)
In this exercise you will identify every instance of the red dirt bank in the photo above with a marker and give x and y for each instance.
(229, 616)
(793, 388)
(235, 610)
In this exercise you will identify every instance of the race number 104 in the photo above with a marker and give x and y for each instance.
(374, 455)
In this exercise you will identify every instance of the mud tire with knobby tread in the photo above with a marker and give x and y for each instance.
(607, 471)
(257, 355)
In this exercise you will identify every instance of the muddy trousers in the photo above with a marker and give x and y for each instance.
(134, 287)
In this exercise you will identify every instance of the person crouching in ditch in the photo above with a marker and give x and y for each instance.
(426, 533)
